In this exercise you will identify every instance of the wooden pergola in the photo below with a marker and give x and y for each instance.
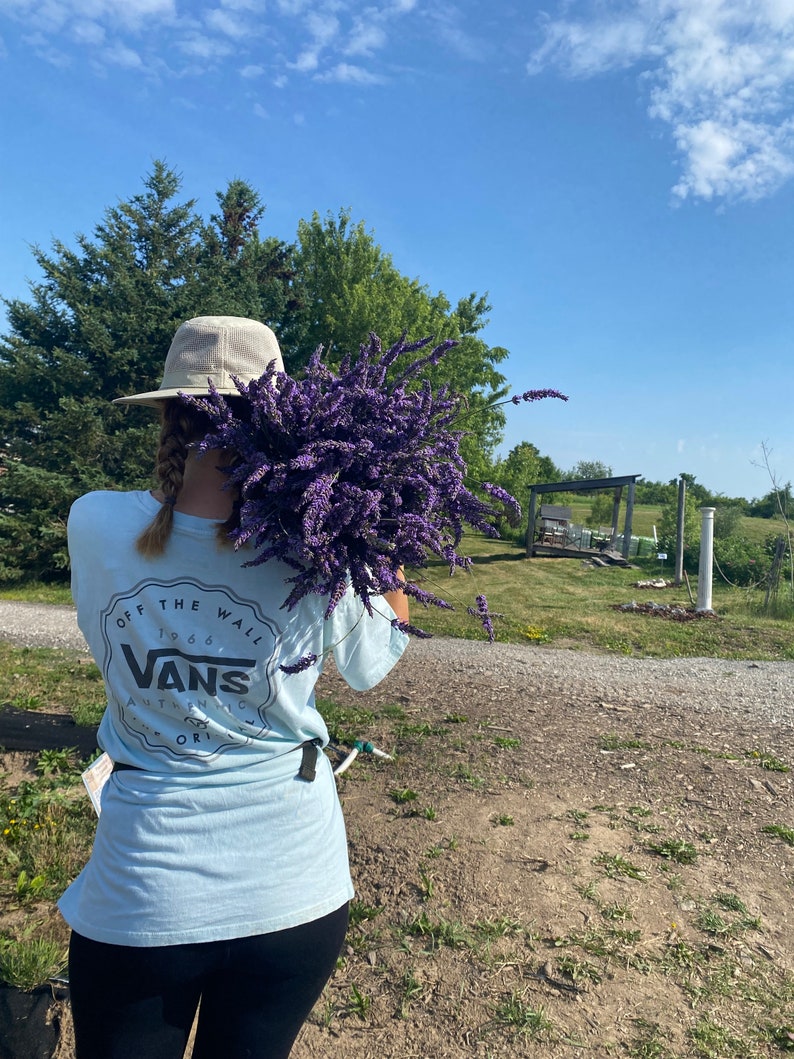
(588, 484)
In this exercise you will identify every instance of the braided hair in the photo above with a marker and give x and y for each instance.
(180, 427)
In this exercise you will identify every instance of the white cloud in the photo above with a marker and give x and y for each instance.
(133, 13)
(41, 46)
(201, 46)
(307, 61)
(721, 75)
(467, 43)
(337, 39)
(323, 26)
(222, 22)
(366, 38)
(583, 49)
(292, 7)
(54, 16)
(721, 159)
(87, 32)
(340, 30)
(345, 73)
(260, 111)
(120, 55)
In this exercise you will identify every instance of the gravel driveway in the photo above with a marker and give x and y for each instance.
(37, 625)
(760, 691)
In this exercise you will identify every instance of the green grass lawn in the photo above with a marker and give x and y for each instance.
(565, 602)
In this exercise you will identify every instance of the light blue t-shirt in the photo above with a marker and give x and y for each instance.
(215, 837)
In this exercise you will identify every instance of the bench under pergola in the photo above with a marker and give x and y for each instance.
(588, 484)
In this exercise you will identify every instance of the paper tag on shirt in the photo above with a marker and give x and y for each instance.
(95, 777)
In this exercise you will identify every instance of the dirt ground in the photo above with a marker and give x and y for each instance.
(506, 925)
(510, 901)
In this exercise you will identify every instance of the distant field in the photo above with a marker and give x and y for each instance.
(646, 516)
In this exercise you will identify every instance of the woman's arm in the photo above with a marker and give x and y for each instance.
(398, 601)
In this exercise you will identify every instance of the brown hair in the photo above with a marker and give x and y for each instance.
(180, 427)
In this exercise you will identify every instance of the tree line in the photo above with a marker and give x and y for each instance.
(97, 323)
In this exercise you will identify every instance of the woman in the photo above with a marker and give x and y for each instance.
(219, 871)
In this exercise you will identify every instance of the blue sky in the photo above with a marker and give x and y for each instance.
(616, 175)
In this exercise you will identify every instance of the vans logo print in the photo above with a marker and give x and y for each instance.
(179, 671)
(193, 666)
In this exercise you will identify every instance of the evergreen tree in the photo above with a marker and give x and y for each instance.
(250, 276)
(97, 326)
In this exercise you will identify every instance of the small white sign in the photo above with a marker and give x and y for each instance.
(95, 777)
(661, 555)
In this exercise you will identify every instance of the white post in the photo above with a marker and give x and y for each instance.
(706, 562)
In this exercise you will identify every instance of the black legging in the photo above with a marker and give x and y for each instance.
(255, 993)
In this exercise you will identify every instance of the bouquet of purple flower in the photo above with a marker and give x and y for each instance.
(347, 477)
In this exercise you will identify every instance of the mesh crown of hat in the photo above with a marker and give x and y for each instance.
(222, 344)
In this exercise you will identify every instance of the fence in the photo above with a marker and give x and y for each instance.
(639, 547)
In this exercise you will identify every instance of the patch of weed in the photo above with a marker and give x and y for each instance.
(30, 962)
(730, 902)
(785, 834)
(649, 1043)
(613, 741)
(362, 913)
(713, 1041)
(463, 772)
(345, 723)
(516, 1014)
(617, 866)
(579, 970)
(766, 760)
(450, 933)
(360, 1003)
(506, 743)
(419, 730)
(616, 912)
(675, 849)
(410, 989)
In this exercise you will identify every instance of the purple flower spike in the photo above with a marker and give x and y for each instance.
(411, 630)
(511, 505)
(537, 395)
(302, 664)
(484, 615)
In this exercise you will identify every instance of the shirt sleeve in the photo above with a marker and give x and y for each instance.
(76, 534)
(365, 646)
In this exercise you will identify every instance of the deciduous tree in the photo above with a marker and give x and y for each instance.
(347, 286)
(97, 325)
